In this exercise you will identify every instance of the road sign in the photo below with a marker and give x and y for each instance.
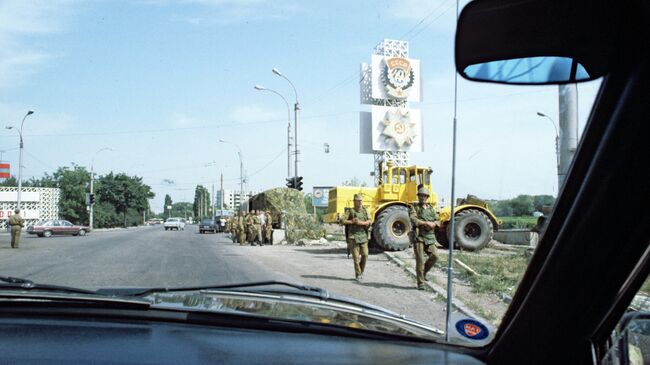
(320, 196)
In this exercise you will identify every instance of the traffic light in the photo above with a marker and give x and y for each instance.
(291, 183)
(298, 183)
(92, 199)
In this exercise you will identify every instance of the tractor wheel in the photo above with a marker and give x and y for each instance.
(474, 230)
(392, 227)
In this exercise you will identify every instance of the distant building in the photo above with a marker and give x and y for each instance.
(232, 198)
(38, 204)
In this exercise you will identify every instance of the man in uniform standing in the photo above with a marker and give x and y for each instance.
(268, 229)
(424, 219)
(241, 225)
(358, 224)
(16, 222)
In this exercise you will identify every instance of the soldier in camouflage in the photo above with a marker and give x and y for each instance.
(358, 224)
(424, 220)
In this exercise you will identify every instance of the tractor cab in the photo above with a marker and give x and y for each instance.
(400, 183)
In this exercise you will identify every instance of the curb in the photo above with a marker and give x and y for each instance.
(460, 306)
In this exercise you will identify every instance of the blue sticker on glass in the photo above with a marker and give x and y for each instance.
(472, 329)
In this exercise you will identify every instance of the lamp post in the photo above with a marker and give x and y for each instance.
(241, 171)
(262, 88)
(20, 158)
(92, 178)
(296, 109)
(557, 146)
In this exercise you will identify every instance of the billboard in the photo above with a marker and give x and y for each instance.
(396, 129)
(5, 171)
(320, 196)
(396, 78)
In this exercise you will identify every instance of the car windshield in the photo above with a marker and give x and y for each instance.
(321, 133)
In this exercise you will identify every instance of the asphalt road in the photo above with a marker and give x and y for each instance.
(137, 257)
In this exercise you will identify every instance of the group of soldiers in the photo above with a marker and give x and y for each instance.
(424, 221)
(252, 228)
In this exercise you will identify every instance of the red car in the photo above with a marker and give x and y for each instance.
(57, 227)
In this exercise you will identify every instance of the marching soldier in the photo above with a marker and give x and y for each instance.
(358, 223)
(268, 229)
(424, 220)
(241, 225)
(17, 223)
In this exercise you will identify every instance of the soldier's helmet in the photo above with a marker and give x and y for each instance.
(423, 191)
(17, 210)
(358, 197)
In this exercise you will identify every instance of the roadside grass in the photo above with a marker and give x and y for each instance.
(498, 274)
(524, 222)
(645, 288)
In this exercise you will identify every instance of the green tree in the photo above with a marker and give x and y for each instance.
(354, 182)
(124, 192)
(168, 202)
(182, 209)
(202, 206)
(541, 200)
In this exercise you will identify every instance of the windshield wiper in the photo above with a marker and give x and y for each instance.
(9, 282)
(304, 289)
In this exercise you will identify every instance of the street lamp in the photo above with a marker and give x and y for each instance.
(241, 171)
(92, 178)
(557, 144)
(20, 158)
(296, 109)
(262, 88)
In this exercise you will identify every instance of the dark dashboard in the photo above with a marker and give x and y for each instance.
(36, 340)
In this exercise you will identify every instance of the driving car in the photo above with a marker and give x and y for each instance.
(207, 225)
(174, 223)
(57, 227)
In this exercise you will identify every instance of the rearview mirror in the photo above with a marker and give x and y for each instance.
(534, 41)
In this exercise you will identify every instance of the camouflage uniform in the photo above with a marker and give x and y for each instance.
(268, 228)
(423, 240)
(241, 233)
(358, 239)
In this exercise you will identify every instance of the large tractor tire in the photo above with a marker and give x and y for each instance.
(392, 227)
(474, 230)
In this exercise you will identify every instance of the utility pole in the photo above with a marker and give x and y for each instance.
(212, 202)
(568, 102)
(221, 195)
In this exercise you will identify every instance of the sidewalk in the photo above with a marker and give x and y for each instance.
(385, 284)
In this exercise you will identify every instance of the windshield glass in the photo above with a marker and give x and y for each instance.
(278, 117)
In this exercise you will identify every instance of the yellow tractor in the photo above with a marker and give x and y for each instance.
(388, 203)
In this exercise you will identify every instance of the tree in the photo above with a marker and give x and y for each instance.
(202, 206)
(124, 192)
(354, 182)
(541, 200)
(168, 203)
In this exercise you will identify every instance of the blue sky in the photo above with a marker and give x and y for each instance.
(161, 81)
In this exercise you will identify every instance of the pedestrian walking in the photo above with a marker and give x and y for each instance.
(262, 226)
(423, 238)
(358, 224)
(268, 229)
(17, 223)
(241, 228)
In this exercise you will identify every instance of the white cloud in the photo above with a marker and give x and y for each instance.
(255, 114)
(22, 19)
(220, 12)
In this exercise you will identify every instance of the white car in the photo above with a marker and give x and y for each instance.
(174, 223)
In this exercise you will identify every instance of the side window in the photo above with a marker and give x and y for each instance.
(395, 176)
(384, 178)
(427, 177)
(630, 340)
(402, 176)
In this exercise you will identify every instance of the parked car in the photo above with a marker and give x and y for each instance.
(208, 225)
(174, 223)
(57, 227)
